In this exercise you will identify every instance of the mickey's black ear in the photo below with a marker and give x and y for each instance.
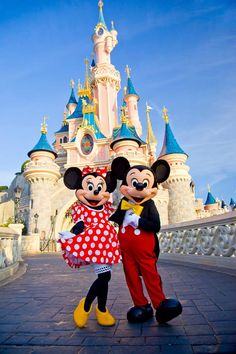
(72, 178)
(161, 168)
(111, 182)
(119, 167)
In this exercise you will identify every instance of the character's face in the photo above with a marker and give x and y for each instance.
(93, 192)
(139, 186)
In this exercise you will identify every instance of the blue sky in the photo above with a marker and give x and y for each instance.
(182, 55)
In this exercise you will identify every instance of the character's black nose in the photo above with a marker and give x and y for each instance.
(139, 186)
(96, 192)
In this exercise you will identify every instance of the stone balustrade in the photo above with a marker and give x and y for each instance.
(213, 236)
(10, 252)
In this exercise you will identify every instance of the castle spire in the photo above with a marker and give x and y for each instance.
(43, 144)
(101, 20)
(130, 86)
(86, 84)
(210, 199)
(72, 102)
(131, 98)
(151, 139)
(170, 144)
(44, 129)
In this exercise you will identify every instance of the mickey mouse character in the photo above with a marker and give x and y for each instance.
(93, 239)
(139, 223)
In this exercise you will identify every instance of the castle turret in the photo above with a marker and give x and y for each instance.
(104, 78)
(131, 98)
(210, 203)
(181, 205)
(126, 142)
(151, 139)
(42, 173)
(72, 102)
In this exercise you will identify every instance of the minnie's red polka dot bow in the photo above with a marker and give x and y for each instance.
(100, 171)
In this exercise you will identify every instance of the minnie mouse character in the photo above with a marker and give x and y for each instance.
(139, 223)
(93, 239)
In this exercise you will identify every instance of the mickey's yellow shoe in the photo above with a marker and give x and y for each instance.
(104, 318)
(80, 315)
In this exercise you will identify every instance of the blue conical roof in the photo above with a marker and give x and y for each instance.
(64, 128)
(223, 204)
(210, 199)
(72, 98)
(101, 17)
(78, 112)
(93, 63)
(232, 202)
(89, 121)
(170, 145)
(130, 88)
(125, 133)
(42, 145)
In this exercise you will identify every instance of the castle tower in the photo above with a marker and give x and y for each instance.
(181, 205)
(210, 203)
(131, 98)
(151, 139)
(42, 173)
(104, 78)
(72, 102)
(126, 142)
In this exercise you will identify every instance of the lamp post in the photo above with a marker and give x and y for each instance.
(36, 216)
(18, 192)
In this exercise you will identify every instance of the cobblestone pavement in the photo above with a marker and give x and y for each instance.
(36, 312)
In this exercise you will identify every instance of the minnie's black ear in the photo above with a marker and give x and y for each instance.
(119, 167)
(111, 182)
(161, 169)
(73, 178)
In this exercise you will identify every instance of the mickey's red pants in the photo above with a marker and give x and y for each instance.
(139, 259)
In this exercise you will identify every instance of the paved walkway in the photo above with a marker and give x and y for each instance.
(36, 312)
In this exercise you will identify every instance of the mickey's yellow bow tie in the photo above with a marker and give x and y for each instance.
(135, 207)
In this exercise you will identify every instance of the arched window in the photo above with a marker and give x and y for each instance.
(65, 139)
(61, 140)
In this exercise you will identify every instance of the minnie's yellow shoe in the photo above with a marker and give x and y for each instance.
(104, 318)
(80, 315)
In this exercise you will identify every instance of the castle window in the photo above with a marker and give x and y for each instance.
(61, 140)
(31, 203)
(135, 107)
(65, 139)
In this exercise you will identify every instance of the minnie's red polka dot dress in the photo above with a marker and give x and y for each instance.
(98, 242)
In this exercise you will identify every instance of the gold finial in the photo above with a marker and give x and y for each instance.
(123, 115)
(84, 102)
(86, 73)
(79, 85)
(44, 126)
(127, 70)
(209, 188)
(100, 4)
(64, 118)
(72, 83)
(165, 115)
(125, 90)
(92, 55)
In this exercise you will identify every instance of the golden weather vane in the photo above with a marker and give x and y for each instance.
(165, 115)
(72, 83)
(44, 126)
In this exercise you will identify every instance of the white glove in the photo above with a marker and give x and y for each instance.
(131, 219)
(66, 235)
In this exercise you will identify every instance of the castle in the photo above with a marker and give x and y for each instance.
(93, 134)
